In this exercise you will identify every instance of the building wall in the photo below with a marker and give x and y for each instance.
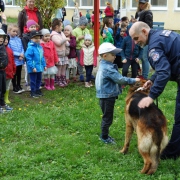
(169, 16)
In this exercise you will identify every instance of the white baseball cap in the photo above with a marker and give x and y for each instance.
(108, 48)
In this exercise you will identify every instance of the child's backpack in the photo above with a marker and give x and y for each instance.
(3, 57)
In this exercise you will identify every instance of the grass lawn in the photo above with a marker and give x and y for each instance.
(57, 137)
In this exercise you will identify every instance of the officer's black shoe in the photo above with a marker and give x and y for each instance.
(166, 156)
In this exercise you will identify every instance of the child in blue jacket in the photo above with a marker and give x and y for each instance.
(131, 54)
(35, 63)
(119, 36)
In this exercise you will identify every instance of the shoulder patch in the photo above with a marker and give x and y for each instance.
(151, 51)
(165, 33)
(154, 55)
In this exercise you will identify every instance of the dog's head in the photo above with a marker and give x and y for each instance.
(133, 88)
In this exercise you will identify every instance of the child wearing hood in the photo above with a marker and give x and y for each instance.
(88, 58)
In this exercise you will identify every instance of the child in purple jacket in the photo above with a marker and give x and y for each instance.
(72, 53)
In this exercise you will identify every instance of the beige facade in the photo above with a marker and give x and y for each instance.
(170, 14)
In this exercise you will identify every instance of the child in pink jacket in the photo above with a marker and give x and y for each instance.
(51, 59)
(88, 58)
(60, 41)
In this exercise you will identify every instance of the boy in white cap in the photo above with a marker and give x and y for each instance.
(88, 58)
(108, 87)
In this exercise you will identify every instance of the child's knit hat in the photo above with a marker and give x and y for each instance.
(88, 37)
(31, 22)
(44, 31)
(83, 21)
(69, 27)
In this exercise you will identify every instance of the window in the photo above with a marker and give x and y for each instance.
(177, 5)
(70, 3)
(87, 3)
(155, 4)
(134, 3)
(12, 2)
(103, 2)
(159, 3)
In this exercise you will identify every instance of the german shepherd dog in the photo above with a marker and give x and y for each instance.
(150, 125)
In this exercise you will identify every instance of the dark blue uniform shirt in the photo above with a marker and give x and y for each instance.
(164, 57)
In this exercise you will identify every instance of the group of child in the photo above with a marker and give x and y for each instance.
(46, 54)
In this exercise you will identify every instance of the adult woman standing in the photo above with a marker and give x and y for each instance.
(145, 15)
(109, 11)
(76, 15)
(29, 12)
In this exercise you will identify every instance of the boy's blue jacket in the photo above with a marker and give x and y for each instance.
(130, 50)
(118, 40)
(108, 80)
(34, 57)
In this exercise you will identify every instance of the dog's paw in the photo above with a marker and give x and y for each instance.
(123, 151)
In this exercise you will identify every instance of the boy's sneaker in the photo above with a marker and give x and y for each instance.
(6, 108)
(1, 110)
(109, 140)
(39, 92)
(34, 95)
(28, 88)
(20, 89)
(16, 90)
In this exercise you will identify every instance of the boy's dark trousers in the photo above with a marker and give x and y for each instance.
(89, 70)
(35, 81)
(134, 67)
(107, 107)
(16, 81)
(2, 86)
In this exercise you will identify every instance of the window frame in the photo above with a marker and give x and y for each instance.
(10, 5)
(176, 8)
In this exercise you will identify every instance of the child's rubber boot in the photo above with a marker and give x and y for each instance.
(52, 84)
(47, 84)
(6, 97)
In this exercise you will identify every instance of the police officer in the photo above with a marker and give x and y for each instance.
(164, 57)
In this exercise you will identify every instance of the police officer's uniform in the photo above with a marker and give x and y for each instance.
(164, 57)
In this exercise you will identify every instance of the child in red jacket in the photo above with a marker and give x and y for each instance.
(51, 59)
(10, 69)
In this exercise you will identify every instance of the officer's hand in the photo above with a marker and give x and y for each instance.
(124, 61)
(137, 79)
(148, 84)
(145, 102)
(137, 60)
